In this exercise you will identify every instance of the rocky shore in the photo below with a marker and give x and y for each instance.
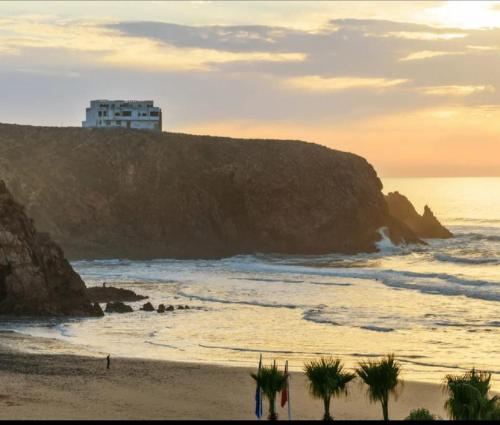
(35, 278)
(425, 226)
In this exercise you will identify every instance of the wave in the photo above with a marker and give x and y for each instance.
(376, 328)
(256, 350)
(223, 301)
(465, 260)
(263, 279)
(315, 315)
(473, 220)
(159, 344)
(431, 283)
(479, 236)
(385, 243)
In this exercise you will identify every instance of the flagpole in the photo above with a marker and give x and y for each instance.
(288, 388)
(258, 407)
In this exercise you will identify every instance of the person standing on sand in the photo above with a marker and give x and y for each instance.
(103, 284)
(108, 361)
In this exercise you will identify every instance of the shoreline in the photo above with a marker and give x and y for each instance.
(65, 386)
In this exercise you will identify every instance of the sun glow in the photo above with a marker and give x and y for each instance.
(467, 14)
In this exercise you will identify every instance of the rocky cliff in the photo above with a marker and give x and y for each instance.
(139, 194)
(425, 226)
(34, 276)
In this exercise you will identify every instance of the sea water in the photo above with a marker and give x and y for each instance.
(436, 307)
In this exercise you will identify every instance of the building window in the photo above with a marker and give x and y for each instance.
(118, 122)
(108, 122)
(154, 114)
(99, 113)
(127, 113)
(104, 113)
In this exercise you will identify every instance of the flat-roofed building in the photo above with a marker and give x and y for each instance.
(139, 114)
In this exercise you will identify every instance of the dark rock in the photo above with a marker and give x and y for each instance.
(161, 308)
(424, 226)
(97, 310)
(118, 307)
(180, 307)
(186, 307)
(148, 307)
(199, 196)
(170, 308)
(102, 294)
(35, 278)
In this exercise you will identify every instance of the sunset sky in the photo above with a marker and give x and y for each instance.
(414, 87)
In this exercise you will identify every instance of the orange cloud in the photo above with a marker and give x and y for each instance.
(455, 90)
(318, 83)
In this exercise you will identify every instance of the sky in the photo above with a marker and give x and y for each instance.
(414, 87)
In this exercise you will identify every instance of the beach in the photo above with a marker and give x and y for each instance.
(59, 386)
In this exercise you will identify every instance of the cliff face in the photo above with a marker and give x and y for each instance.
(425, 226)
(34, 276)
(138, 194)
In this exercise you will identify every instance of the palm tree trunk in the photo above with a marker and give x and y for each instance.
(273, 416)
(385, 407)
(326, 403)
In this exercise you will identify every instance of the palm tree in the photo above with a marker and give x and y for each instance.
(421, 415)
(271, 381)
(468, 396)
(326, 379)
(382, 379)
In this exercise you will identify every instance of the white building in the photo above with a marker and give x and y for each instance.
(141, 114)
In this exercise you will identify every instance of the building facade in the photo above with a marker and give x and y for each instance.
(139, 114)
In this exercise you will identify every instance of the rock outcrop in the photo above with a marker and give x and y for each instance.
(118, 307)
(117, 193)
(106, 294)
(35, 278)
(425, 226)
(148, 307)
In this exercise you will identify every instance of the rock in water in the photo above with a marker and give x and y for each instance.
(118, 193)
(425, 226)
(148, 307)
(35, 278)
(161, 308)
(106, 294)
(118, 307)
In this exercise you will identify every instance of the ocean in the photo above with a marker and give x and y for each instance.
(436, 307)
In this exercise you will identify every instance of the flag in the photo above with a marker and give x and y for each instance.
(258, 394)
(284, 392)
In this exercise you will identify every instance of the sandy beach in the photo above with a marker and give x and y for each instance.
(58, 386)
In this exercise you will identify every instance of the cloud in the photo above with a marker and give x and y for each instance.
(415, 35)
(427, 54)
(323, 84)
(483, 48)
(373, 75)
(455, 90)
(111, 48)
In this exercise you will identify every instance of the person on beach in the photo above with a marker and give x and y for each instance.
(108, 361)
